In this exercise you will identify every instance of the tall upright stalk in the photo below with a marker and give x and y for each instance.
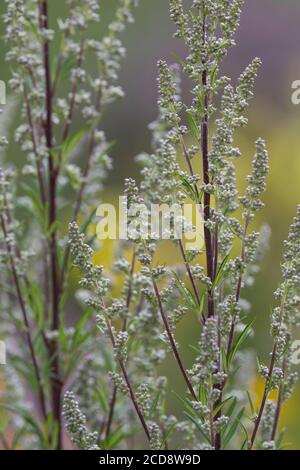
(52, 177)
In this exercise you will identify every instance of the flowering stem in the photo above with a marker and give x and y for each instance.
(172, 342)
(211, 248)
(278, 408)
(111, 412)
(25, 319)
(54, 349)
(204, 149)
(220, 387)
(264, 398)
(81, 189)
(128, 384)
(268, 380)
(114, 394)
(239, 285)
(188, 268)
(39, 165)
(190, 166)
(129, 293)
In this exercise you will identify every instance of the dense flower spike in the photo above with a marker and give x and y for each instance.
(76, 424)
(285, 317)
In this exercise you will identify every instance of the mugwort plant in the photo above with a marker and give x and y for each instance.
(103, 376)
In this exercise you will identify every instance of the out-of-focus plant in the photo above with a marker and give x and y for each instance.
(141, 324)
(50, 77)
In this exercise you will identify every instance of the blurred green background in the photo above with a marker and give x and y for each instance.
(269, 29)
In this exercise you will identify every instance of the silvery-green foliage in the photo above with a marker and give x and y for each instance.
(285, 317)
(137, 346)
(61, 167)
(165, 180)
(205, 129)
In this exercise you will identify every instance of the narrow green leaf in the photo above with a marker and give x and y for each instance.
(114, 438)
(188, 296)
(166, 436)
(250, 403)
(231, 408)
(280, 439)
(79, 328)
(193, 126)
(221, 272)
(103, 399)
(196, 423)
(72, 142)
(233, 428)
(221, 405)
(188, 189)
(242, 337)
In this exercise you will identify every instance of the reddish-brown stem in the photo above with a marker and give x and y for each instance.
(81, 189)
(218, 438)
(278, 407)
(172, 341)
(128, 384)
(134, 400)
(39, 166)
(112, 404)
(53, 346)
(239, 286)
(114, 393)
(42, 186)
(188, 268)
(269, 377)
(231, 333)
(190, 166)
(220, 387)
(190, 275)
(21, 301)
(264, 398)
(206, 180)
(211, 248)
